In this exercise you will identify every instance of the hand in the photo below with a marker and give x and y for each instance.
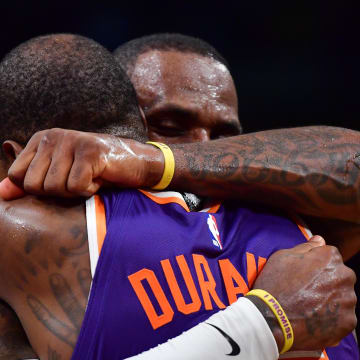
(66, 163)
(10, 191)
(315, 289)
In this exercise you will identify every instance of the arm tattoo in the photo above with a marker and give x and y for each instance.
(67, 299)
(53, 355)
(314, 323)
(57, 327)
(313, 170)
(53, 258)
(79, 241)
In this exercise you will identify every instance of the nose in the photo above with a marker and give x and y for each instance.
(200, 135)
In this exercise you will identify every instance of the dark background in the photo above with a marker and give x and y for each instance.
(294, 63)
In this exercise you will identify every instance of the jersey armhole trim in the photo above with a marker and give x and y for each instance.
(301, 225)
(212, 210)
(96, 229)
(166, 197)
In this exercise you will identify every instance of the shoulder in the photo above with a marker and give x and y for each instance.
(33, 214)
(36, 230)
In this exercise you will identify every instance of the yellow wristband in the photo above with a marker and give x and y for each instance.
(169, 167)
(280, 316)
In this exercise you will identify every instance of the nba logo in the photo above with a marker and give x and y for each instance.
(211, 221)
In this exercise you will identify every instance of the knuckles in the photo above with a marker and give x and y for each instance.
(48, 138)
(32, 186)
(75, 188)
(350, 275)
(16, 176)
(54, 187)
(329, 254)
(335, 253)
(78, 180)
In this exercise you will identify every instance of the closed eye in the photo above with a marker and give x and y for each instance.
(168, 131)
(166, 126)
(226, 130)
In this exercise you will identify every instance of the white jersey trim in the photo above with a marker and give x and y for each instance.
(92, 234)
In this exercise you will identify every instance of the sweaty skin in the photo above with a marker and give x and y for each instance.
(49, 282)
(313, 170)
(203, 168)
(48, 239)
(185, 97)
(200, 132)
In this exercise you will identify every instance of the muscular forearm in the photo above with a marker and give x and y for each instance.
(311, 170)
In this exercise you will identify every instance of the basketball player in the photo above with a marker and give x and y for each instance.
(187, 93)
(172, 75)
(49, 282)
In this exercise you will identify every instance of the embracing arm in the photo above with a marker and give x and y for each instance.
(41, 286)
(310, 170)
(314, 171)
(244, 328)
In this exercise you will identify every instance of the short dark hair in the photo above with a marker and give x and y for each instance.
(128, 53)
(67, 81)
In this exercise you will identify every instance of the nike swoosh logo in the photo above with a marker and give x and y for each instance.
(234, 346)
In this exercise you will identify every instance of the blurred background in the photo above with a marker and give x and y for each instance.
(294, 63)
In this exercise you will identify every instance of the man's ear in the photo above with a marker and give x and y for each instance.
(11, 149)
(143, 118)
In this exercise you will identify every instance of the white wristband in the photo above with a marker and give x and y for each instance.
(239, 330)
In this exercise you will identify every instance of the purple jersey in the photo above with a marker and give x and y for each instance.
(163, 269)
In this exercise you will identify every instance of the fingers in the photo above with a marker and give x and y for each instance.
(55, 181)
(61, 163)
(31, 166)
(81, 177)
(314, 242)
(18, 169)
(10, 191)
(37, 170)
